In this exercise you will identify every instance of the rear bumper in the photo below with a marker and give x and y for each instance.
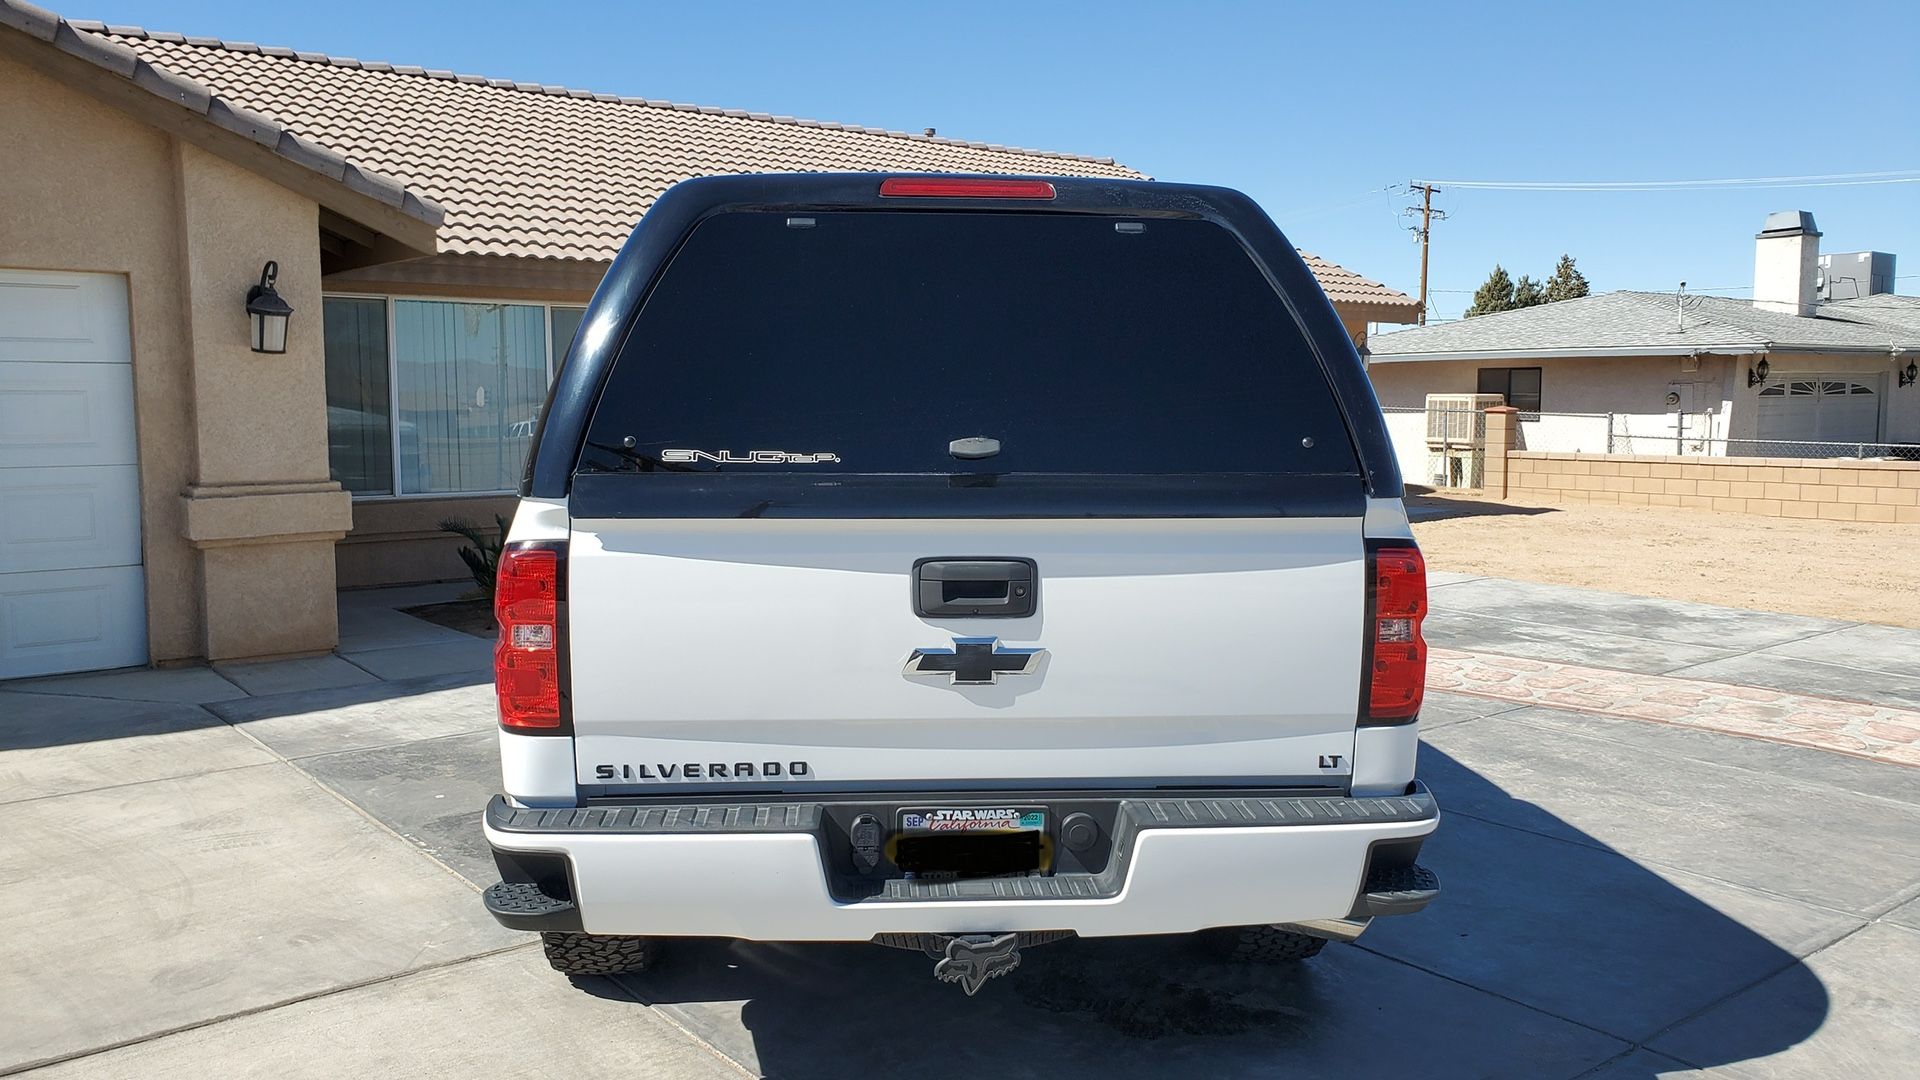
(767, 871)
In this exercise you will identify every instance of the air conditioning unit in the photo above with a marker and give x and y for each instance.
(1457, 438)
(1456, 420)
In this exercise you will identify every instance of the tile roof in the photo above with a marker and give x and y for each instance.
(544, 171)
(215, 108)
(1343, 286)
(1639, 323)
(525, 169)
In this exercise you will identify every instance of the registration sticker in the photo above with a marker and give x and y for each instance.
(974, 819)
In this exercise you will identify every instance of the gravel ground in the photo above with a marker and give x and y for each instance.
(1835, 569)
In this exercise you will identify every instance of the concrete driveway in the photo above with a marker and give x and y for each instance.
(272, 870)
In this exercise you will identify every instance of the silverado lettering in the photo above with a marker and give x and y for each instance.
(694, 770)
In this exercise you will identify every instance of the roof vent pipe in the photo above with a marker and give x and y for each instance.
(1680, 309)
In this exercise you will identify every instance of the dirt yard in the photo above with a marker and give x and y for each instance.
(1841, 570)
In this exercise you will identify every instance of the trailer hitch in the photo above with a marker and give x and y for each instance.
(972, 959)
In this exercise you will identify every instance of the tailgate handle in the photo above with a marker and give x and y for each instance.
(983, 588)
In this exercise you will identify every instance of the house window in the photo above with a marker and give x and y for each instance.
(566, 322)
(436, 397)
(359, 403)
(1519, 385)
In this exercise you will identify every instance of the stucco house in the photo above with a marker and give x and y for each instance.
(170, 493)
(1820, 354)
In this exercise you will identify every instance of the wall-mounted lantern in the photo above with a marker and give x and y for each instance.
(1757, 374)
(1910, 374)
(268, 313)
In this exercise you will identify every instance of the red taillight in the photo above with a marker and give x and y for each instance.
(939, 187)
(1397, 601)
(526, 661)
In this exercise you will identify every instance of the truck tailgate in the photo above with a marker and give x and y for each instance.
(1177, 652)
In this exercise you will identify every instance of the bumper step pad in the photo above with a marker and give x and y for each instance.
(521, 905)
(1400, 891)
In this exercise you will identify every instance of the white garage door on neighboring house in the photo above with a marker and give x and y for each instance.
(1820, 408)
(72, 593)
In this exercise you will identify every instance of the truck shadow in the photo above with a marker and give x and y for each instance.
(1432, 507)
(1544, 956)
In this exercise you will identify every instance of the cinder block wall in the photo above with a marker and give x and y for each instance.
(1776, 487)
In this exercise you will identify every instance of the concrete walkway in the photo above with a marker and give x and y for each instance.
(272, 870)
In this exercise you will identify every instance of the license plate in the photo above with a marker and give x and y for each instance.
(971, 841)
(974, 819)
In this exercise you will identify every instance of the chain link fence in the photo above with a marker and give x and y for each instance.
(1446, 446)
(1768, 448)
(1566, 433)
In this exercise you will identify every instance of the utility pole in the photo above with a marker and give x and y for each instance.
(1423, 232)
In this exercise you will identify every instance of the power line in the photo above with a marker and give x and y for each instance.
(1894, 176)
(1297, 216)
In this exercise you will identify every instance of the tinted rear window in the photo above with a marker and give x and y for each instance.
(865, 343)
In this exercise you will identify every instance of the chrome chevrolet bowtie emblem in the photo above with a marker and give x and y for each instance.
(974, 661)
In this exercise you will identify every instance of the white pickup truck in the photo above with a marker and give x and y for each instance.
(958, 564)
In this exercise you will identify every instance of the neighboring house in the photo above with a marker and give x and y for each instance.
(1683, 374)
(168, 493)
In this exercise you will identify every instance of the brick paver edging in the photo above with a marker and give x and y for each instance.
(1877, 732)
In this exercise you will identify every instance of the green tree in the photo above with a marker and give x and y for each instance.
(1528, 293)
(1501, 293)
(1567, 283)
(1494, 294)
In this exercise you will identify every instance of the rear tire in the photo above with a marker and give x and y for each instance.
(598, 954)
(1260, 944)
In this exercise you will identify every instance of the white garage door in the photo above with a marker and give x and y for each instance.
(1815, 408)
(72, 593)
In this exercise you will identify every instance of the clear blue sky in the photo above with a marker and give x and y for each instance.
(1311, 108)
